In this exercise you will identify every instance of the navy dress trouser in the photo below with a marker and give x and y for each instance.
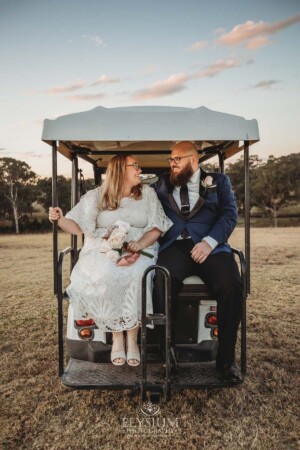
(220, 274)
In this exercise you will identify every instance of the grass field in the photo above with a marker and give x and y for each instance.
(37, 412)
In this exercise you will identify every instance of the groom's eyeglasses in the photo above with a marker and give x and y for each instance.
(177, 159)
(135, 165)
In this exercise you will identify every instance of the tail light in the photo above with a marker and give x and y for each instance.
(215, 332)
(212, 319)
(85, 323)
(85, 333)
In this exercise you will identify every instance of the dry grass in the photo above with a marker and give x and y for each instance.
(37, 412)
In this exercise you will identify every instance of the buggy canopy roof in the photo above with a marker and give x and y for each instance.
(147, 131)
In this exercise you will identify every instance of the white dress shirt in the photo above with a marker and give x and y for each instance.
(193, 190)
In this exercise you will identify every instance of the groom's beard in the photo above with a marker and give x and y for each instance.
(182, 177)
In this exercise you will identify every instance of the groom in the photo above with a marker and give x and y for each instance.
(203, 210)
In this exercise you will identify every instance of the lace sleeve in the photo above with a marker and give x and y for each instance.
(156, 215)
(85, 212)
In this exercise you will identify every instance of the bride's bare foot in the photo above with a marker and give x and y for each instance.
(118, 351)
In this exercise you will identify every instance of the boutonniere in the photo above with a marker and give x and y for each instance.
(207, 183)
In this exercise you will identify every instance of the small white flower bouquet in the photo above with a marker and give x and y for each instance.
(114, 243)
(207, 185)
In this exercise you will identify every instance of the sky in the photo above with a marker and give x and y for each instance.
(64, 56)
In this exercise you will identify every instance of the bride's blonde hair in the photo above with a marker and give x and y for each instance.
(112, 187)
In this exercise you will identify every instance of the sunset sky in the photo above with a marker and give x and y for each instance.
(64, 56)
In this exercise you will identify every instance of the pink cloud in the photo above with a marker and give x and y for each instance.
(257, 42)
(177, 83)
(217, 67)
(173, 84)
(68, 88)
(82, 97)
(255, 34)
(104, 79)
(196, 46)
(266, 84)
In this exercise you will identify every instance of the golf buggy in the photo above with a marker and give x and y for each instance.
(148, 133)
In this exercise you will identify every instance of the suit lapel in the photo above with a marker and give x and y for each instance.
(175, 206)
(200, 202)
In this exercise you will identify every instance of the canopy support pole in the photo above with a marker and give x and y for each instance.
(57, 288)
(74, 201)
(54, 203)
(247, 213)
(221, 161)
(98, 175)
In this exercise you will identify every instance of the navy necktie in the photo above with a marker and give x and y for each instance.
(185, 206)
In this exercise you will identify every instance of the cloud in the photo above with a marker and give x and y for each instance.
(34, 155)
(255, 34)
(265, 84)
(196, 46)
(173, 84)
(82, 97)
(97, 40)
(219, 30)
(68, 88)
(217, 67)
(105, 80)
(177, 83)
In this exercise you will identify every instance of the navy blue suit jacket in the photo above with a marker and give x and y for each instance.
(214, 214)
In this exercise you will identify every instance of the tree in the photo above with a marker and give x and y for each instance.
(236, 173)
(44, 196)
(276, 183)
(17, 182)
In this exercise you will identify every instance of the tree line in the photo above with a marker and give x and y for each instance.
(274, 185)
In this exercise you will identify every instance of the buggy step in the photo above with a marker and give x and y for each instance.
(90, 375)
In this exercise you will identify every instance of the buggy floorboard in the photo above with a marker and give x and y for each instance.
(89, 375)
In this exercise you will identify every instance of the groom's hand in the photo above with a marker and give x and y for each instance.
(128, 259)
(201, 251)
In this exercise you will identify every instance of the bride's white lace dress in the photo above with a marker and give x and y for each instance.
(109, 294)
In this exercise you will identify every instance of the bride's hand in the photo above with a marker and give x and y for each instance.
(55, 214)
(128, 260)
(133, 246)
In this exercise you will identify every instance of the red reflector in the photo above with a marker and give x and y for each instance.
(85, 333)
(85, 323)
(212, 320)
(215, 331)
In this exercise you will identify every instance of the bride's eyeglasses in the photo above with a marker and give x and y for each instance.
(135, 165)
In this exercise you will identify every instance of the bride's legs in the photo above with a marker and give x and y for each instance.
(117, 347)
(132, 347)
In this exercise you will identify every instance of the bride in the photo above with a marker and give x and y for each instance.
(107, 290)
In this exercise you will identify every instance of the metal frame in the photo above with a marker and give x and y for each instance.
(156, 319)
(74, 201)
(150, 380)
(164, 388)
(247, 212)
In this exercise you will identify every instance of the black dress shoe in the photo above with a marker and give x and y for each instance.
(230, 372)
